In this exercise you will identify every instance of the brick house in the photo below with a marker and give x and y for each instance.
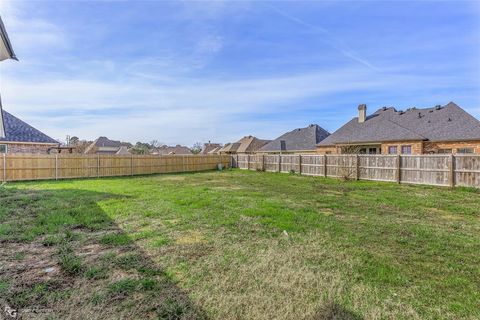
(441, 129)
(300, 140)
(17, 136)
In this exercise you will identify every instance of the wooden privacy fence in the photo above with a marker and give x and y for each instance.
(441, 170)
(61, 166)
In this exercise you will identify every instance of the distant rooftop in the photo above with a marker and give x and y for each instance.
(299, 139)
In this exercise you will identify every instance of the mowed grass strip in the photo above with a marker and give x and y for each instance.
(240, 245)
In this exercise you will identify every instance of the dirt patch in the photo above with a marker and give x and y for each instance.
(28, 263)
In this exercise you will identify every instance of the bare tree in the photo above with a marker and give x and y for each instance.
(347, 164)
(196, 148)
(155, 144)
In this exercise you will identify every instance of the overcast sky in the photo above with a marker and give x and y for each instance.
(181, 72)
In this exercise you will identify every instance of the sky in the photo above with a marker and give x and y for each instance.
(192, 71)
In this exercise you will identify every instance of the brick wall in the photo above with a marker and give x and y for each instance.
(27, 148)
(417, 146)
(328, 150)
(434, 146)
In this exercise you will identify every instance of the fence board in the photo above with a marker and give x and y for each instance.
(467, 170)
(37, 167)
(416, 169)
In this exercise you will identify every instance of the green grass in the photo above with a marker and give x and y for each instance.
(244, 245)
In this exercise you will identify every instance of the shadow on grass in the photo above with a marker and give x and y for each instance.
(335, 311)
(61, 253)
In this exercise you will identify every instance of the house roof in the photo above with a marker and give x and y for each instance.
(215, 151)
(178, 149)
(298, 140)
(249, 144)
(105, 142)
(104, 145)
(447, 123)
(123, 150)
(6, 50)
(230, 147)
(17, 130)
(207, 147)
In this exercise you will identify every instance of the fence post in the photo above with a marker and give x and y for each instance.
(131, 165)
(279, 163)
(325, 165)
(4, 167)
(263, 162)
(398, 172)
(299, 164)
(451, 176)
(357, 169)
(248, 162)
(98, 165)
(56, 166)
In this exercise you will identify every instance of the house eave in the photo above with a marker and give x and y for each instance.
(28, 142)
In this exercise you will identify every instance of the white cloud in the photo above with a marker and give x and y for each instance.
(158, 97)
(185, 109)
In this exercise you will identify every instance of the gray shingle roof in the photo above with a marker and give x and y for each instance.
(18, 131)
(447, 123)
(105, 142)
(300, 139)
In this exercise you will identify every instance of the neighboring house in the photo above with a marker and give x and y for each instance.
(178, 149)
(103, 145)
(207, 147)
(215, 151)
(441, 129)
(301, 140)
(17, 136)
(229, 148)
(246, 145)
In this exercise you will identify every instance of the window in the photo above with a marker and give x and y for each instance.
(444, 150)
(392, 150)
(465, 150)
(3, 148)
(406, 149)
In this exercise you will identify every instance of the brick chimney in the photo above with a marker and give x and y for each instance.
(362, 113)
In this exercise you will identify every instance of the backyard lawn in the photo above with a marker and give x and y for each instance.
(238, 245)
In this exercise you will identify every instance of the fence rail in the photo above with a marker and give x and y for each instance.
(15, 167)
(440, 170)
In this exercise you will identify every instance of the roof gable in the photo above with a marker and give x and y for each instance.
(17, 130)
(250, 144)
(299, 139)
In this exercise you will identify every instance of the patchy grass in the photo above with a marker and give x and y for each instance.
(241, 245)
